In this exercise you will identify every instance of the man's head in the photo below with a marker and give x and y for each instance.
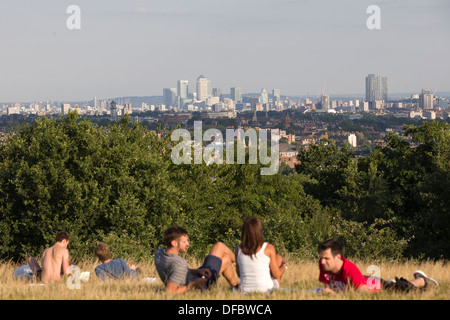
(176, 237)
(63, 238)
(103, 252)
(330, 255)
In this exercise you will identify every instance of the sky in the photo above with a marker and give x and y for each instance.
(137, 48)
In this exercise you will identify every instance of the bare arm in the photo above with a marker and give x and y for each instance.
(173, 288)
(65, 263)
(276, 269)
(238, 272)
(363, 288)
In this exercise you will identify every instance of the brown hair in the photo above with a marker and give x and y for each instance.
(252, 236)
(102, 251)
(174, 233)
(62, 235)
(332, 244)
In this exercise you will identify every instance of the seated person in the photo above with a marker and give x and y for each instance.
(112, 269)
(54, 262)
(259, 267)
(174, 272)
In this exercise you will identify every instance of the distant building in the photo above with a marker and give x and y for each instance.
(288, 154)
(113, 109)
(236, 94)
(364, 106)
(204, 89)
(276, 95)
(429, 114)
(325, 102)
(13, 110)
(65, 107)
(378, 104)
(217, 92)
(426, 99)
(256, 104)
(182, 89)
(264, 97)
(352, 140)
(170, 97)
(285, 120)
(376, 89)
(127, 108)
(414, 114)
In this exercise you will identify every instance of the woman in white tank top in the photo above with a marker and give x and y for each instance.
(258, 266)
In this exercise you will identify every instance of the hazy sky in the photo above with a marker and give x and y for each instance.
(137, 48)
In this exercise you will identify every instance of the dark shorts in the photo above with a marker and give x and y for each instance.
(214, 264)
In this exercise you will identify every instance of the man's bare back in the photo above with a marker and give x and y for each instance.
(55, 261)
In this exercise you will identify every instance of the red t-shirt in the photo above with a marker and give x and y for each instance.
(349, 274)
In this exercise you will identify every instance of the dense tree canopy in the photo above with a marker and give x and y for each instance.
(403, 186)
(118, 184)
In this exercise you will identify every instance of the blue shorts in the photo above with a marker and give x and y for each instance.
(214, 264)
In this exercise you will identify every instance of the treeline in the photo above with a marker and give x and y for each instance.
(117, 184)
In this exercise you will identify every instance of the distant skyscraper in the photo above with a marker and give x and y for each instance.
(325, 101)
(204, 89)
(264, 97)
(426, 99)
(113, 108)
(376, 89)
(217, 92)
(276, 95)
(236, 94)
(170, 97)
(182, 88)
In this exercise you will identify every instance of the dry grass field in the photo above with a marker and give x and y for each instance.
(298, 279)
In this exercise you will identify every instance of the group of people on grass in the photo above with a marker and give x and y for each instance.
(256, 262)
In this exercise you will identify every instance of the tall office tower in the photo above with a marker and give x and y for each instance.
(204, 89)
(217, 92)
(264, 98)
(236, 94)
(276, 95)
(325, 101)
(182, 88)
(170, 97)
(113, 109)
(426, 99)
(376, 89)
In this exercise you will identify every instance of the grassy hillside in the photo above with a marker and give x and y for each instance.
(298, 279)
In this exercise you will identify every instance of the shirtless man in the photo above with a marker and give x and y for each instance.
(55, 260)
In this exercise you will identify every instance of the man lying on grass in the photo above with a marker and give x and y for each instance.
(336, 273)
(175, 273)
(113, 269)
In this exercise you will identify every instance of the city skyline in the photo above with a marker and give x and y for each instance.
(137, 48)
